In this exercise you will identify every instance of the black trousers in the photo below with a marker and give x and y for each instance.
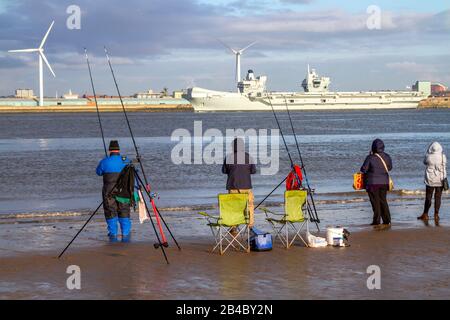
(380, 205)
(111, 207)
(429, 197)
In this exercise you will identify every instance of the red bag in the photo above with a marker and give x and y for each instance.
(292, 182)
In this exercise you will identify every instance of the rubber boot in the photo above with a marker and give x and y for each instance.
(112, 229)
(125, 226)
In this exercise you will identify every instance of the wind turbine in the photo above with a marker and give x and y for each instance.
(42, 59)
(238, 53)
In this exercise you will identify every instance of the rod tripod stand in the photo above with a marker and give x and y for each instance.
(312, 211)
(312, 216)
(160, 244)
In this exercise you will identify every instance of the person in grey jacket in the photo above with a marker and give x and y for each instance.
(435, 173)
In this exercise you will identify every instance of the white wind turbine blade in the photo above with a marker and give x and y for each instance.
(227, 46)
(46, 35)
(46, 62)
(251, 44)
(24, 50)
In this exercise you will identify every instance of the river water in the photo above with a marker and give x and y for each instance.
(48, 161)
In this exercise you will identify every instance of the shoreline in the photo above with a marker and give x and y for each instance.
(102, 108)
(140, 272)
(435, 103)
(326, 200)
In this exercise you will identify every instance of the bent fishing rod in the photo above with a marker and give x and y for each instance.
(147, 188)
(310, 192)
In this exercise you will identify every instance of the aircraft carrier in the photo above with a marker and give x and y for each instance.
(252, 96)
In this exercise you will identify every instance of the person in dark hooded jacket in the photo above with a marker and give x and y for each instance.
(239, 167)
(377, 182)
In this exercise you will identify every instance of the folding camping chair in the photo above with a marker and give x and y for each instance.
(231, 228)
(294, 202)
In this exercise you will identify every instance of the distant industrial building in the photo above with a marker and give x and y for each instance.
(438, 88)
(149, 94)
(177, 94)
(70, 96)
(422, 86)
(24, 94)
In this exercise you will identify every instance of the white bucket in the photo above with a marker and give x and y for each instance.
(335, 236)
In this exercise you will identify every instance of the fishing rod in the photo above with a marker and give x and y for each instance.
(79, 231)
(290, 158)
(155, 208)
(159, 244)
(95, 212)
(104, 147)
(156, 212)
(262, 201)
(96, 103)
(138, 156)
(311, 215)
(302, 164)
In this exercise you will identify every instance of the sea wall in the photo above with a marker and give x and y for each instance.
(436, 102)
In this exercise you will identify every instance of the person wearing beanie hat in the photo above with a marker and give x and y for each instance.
(115, 212)
(114, 146)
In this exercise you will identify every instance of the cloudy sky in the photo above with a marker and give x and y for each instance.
(173, 43)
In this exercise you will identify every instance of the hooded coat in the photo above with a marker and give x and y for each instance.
(239, 167)
(374, 171)
(436, 163)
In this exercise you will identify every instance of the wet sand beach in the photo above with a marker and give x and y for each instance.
(51, 188)
(413, 262)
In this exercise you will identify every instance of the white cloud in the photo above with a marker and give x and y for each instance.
(181, 35)
(408, 66)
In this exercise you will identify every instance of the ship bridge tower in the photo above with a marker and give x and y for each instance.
(314, 83)
(252, 85)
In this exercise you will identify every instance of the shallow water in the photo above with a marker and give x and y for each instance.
(49, 160)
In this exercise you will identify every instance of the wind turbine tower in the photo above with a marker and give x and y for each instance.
(42, 59)
(238, 53)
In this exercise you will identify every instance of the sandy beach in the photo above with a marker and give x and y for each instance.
(413, 262)
(51, 189)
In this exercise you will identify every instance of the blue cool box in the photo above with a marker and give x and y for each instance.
(260, 240)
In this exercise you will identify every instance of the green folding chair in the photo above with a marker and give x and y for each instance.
(230, 229)
(292, 218)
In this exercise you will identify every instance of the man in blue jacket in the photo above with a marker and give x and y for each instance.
(115, 212)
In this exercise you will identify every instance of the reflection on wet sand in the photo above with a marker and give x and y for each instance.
(413, 262)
